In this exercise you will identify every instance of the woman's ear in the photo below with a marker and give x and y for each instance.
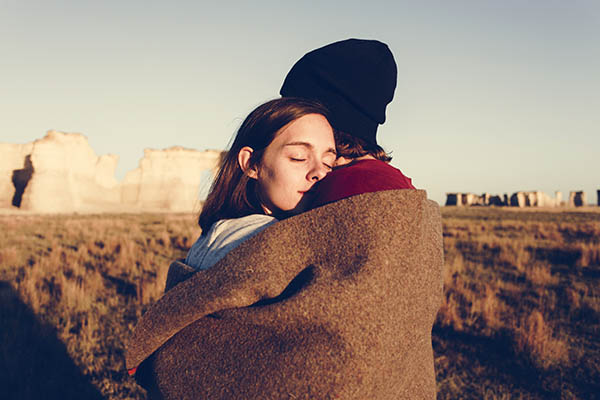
(244, 161)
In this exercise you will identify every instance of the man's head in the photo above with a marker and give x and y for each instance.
(355, 79)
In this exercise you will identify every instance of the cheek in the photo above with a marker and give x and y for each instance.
(281, 184)
(271, 177)
(280, 187)
(271, 182)
(282, 174)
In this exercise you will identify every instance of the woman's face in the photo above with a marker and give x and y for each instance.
(301, 154)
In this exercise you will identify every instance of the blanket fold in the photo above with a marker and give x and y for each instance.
(337, 302)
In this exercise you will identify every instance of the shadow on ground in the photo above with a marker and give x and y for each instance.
(469, 366)
(34, 363)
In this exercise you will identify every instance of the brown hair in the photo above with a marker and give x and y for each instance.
(349, 146)
(233, 193)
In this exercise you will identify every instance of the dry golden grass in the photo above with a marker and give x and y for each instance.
(534, 337)
(521, 298)
(88, 279)
(520, 319)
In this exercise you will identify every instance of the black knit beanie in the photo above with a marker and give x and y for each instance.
(355, 79)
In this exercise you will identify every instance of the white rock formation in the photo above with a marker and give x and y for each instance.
(534, 199)
(168, 179)
(61, 173)
(471, 199)
(453, 199)
(518, 199)
(577, 198)
(68, 176)
(15, 170)
(461, 199)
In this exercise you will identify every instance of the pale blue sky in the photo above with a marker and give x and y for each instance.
(494, 96)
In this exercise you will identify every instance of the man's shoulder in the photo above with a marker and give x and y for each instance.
(369, 166)
(375, 172)
(359, 177)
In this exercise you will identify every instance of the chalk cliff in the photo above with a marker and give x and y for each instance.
(67, 175)
(61, 173)
(517, 199)
(168, 179)
(15, 171)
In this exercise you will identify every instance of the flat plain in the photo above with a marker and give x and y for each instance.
(520, 317)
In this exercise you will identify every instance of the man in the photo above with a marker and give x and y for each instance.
(355, 79)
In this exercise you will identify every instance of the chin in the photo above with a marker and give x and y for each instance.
(300, 208)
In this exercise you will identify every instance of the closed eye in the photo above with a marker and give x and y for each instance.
(297, 159)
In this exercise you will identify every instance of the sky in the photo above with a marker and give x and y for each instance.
(492, 96)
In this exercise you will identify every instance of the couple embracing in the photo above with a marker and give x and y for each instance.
(318, 271)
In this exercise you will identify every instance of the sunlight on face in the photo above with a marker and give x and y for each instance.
(301, 154)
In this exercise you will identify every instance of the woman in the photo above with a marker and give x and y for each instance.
(280, 151)
(336, 302)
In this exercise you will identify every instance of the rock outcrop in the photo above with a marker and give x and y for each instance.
(471, 199)
(534, 199)
(518, 199)
(61, 173)
(577, 199)
(67, 176)
(453, 199)
(168, 179)
(15, 172)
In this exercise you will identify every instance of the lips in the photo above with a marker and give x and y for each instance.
(310, 194)
(309, 190)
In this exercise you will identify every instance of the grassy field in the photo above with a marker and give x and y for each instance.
(521, 317)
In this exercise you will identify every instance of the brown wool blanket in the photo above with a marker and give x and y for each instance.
(337, 302)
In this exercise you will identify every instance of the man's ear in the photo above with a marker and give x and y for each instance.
(244, 161)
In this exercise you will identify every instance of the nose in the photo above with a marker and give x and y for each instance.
(318, 172)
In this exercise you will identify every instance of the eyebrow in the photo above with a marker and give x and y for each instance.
(310, 146)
